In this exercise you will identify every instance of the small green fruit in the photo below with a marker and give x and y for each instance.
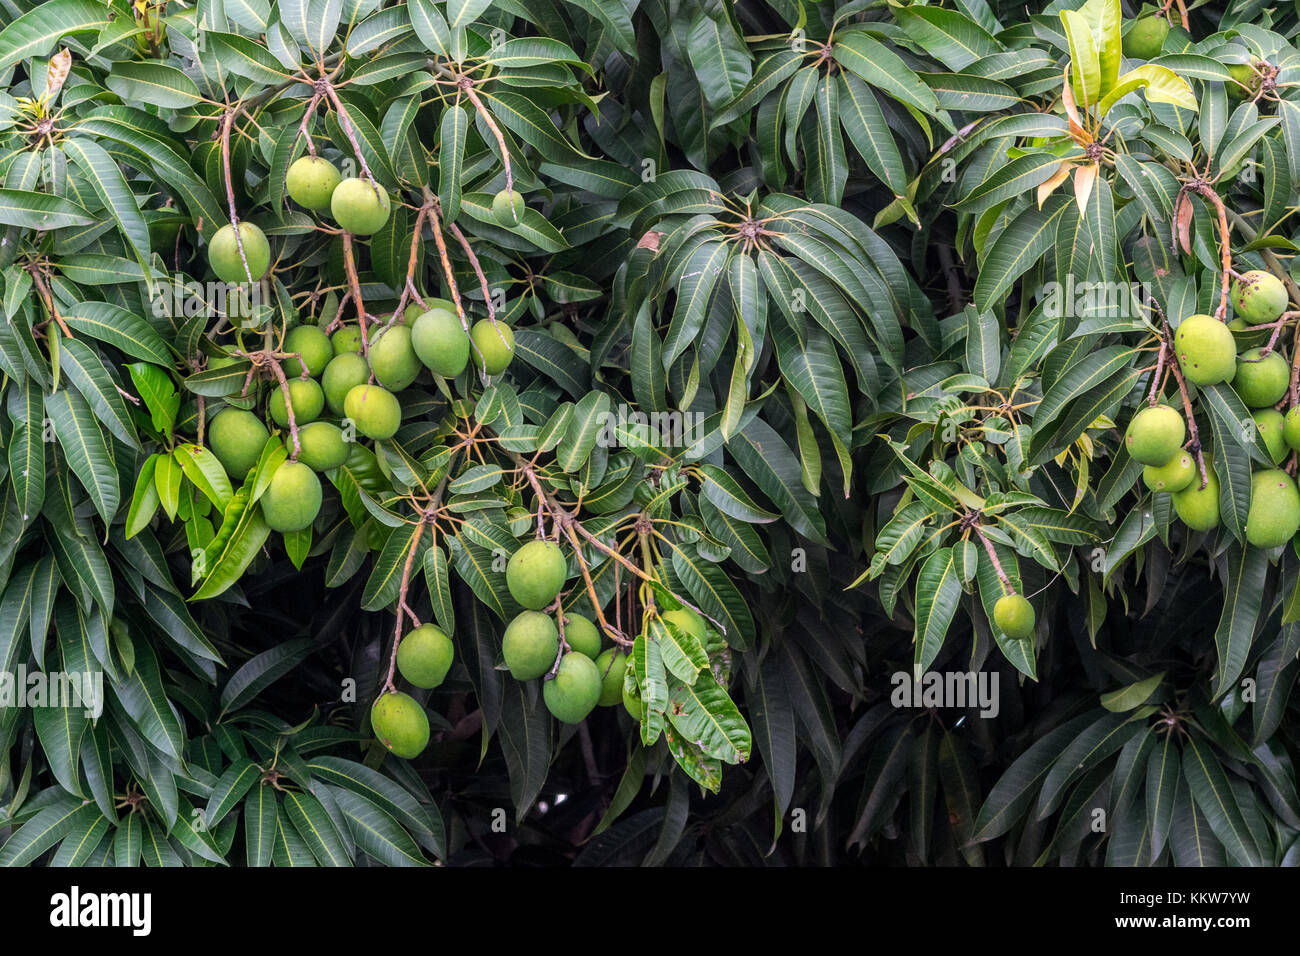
(424, 656)
(574, 690)
(313, 345)
(1145, 38)
(1155, 434)
(536, 573)
(1244, 82)
(686, 621)
(581, 635)
(237, 438)
(530, 644)
(508, 208)
(344, 373)
(374, 410)
(440, 342)
(1245, 336)
(1261, 381)
(400, 724)
(311, 181)
(611, 664)
(292, 499)
(494, 345)
(322, 446)
(1198, 507)
(1259, 297)
(346, 339)
(1014, 617)
(1271, 427)
(358, 207)
(223, 253)
(1274, 515)
(305, 396)
(393, 359)
(1174, 475)
(1291, 429)
(632, 701)
(1207, 352)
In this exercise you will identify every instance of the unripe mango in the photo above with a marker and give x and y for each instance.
(392, 358)
(1270, 425)
(1261, 380)
(313, 345)
(223, 253)
(1198, 507)
(440, 342)
(322, 446)
(1014, 616)
(1145, 38)
(508, 208)
(686, 621)
(359, 207)
(305, 396)
(311, 181)
(1155, 434)
(611, 664)
(375, 411)
(344, 373)
(400, 724)
(346, 339)
(581, 635)
(292, 499)
(574, 690)
(530, 644)
(1291, 429)
(1274, 515)
(536, 573)
(494, 345)
(237, 438)
(1259, 297)
(1174, 475)
(424, 656)
(1206, 350)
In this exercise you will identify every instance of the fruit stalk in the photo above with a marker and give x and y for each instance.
(572, 527)
(993, 556)
(346, 123)
(307, 115)
(354, 292)
(227, 121)
(466, 84)
(563, 648)
(1193, 443)
(39, 281)
(478, 269)
(453, 289)
(402, 607)
(412, 261)
(1225, 237)
(288, 403)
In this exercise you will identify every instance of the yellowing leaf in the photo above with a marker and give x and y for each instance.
(1047, 187)
(1162, 85)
